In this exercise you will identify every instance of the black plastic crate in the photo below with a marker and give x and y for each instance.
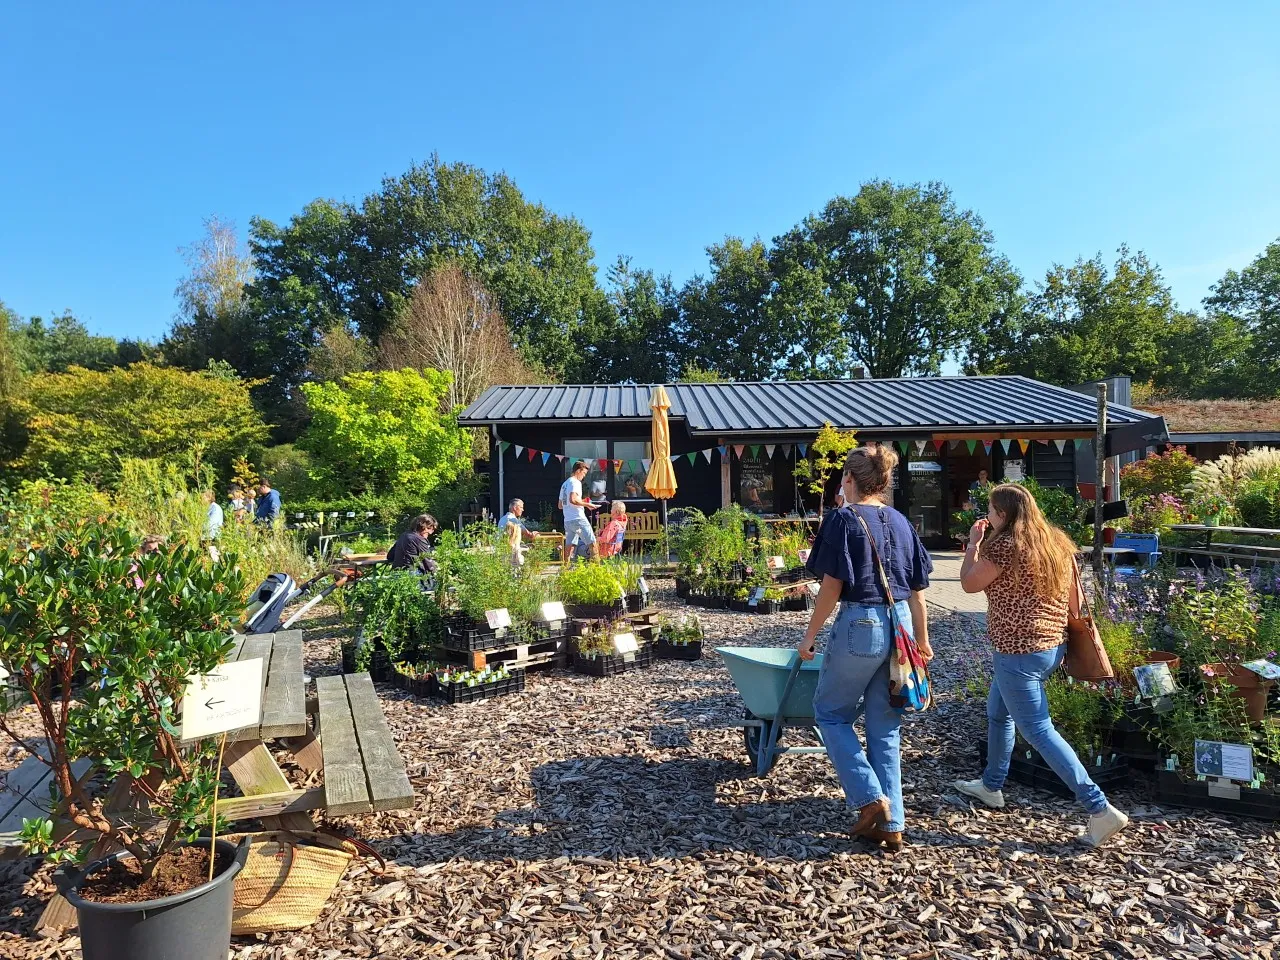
(470, 636)
(613, 664)
(596, 611)
(763, 606)
(711, 601)
(457, 692)
(678, 651)
(379, 663)
(1034, 772)
(537, 632)
(419, 687)
(798, 604)
(1173, 789)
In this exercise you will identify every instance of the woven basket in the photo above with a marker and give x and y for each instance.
(287, 880)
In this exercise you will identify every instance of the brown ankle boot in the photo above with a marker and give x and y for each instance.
(891, 840)
(870, 817)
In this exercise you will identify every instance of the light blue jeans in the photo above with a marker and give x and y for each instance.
(1018, 699)
(855, 679)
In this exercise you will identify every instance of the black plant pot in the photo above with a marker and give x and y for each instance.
(195, 925)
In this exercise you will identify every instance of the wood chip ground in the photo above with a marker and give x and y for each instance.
(612, 819)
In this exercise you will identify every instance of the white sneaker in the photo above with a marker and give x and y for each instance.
(1105, 825)
(976, 789)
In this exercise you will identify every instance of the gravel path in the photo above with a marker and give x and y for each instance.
(613, 818)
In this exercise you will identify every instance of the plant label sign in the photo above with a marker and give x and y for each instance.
(776, 563)
(644, 593)
(1267, 669)
(814, 587)
(756, 596)
(229, 698)
(553, 611)
(803, 555)
(625, 643)
(497, 619)
(1231, 761)
(1155, 680)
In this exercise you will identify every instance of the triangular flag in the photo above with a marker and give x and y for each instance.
(692, 455)
(604, 465)
(791, 449)
(617, 466)
(532, 453)
(1042, 440)
(502, 446)
(646, 465)
(738, 450)
(1061, 445)
(724, 451)
(519, 450)
(560, 457)
(903, 446)
(972, 445)
(674, 457)
(755, 451)
(1024, 444)
(920, 445)
(1004, 445)
(803, 448)
(768, 449)
(986, 445)
(707, 453)
(545, 457)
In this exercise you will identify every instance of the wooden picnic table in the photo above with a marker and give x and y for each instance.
(1231, 552)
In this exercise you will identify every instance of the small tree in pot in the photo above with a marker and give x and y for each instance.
(101, 633)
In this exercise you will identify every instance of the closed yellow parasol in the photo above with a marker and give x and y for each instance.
(661, 482)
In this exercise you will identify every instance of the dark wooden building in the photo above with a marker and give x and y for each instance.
(739, 442)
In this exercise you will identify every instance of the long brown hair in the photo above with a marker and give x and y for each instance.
(1042, 552)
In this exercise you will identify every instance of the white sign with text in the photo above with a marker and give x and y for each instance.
(229, 698)
(497, 619)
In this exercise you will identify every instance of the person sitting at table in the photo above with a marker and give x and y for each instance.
(512, 523)
(413, 549)
(614, 531)
(631, 488)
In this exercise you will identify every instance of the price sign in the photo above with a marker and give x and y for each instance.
(1231, 761)
(1267, 669)
(803, 555)
(351, 513)
(814, 587)
(625, 643)
(498, 619)
(644, 593)
(553, 611)
(229, 698)
(776, 563)
(756, 596)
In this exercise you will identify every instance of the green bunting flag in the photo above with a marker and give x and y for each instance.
(692, 455)
(755, 451)
(972, 445)
(902, 446)
(502, 446)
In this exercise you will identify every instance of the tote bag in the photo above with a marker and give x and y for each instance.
(909, 688)
(1086, 658)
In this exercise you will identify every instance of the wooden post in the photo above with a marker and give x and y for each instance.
(1100, 451)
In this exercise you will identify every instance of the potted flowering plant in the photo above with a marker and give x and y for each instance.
(1211, 508)
(82, 599)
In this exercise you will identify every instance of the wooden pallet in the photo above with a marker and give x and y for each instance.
(550, 652)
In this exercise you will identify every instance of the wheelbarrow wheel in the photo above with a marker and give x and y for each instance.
(752, 738)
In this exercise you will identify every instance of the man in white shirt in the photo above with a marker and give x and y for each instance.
(576, 525)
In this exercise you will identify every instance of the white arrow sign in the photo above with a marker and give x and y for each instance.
(229, 698)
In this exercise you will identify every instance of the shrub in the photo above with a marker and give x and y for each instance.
(591, 582)
(1230, 474)
(289, 470)
(1217, 622)
(1156, 514)
(85, 603)
(1159, 473)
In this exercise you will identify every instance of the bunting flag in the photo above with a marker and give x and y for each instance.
(545, 457)
(802, 449)
(692, 455)
(903, 446)
(1004, 445)
(724, 451)
(1061, 445)
(755, 451)
(502, 446)
(519, 450)
(532, 453)
(646, 465)
(674, 458)
(920, 445)
(560, 457)
(972, 445)
(707, 454)
(986, 445)
(1023, 444)
(768, 449)
(956, 444)
(737, 450)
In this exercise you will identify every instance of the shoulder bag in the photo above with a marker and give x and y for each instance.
(910, 690)
(1086, 658)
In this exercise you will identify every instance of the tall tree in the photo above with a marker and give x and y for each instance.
(894, 279)
(453, 323)
(54, 347)
(1086, 322)
(633, 332)
(1251, 297)
(729, 324)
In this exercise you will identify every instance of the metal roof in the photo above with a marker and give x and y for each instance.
(922, 404)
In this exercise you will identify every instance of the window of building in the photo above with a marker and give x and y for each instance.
(595, 485)
(629, 481)
(624, 484)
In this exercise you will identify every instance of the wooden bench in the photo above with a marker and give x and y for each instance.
(24, 795)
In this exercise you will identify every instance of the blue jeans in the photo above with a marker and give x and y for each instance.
(579, 532)
(855, 679)
(1018, 698)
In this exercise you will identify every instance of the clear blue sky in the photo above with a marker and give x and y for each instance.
(1069, 127)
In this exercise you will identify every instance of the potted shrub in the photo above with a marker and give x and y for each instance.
(393, 616)
(83, 597)
(1211, 508)
(680, 640)
(595, 654)
(591, 590)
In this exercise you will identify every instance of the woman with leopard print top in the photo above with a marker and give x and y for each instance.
(1025, 565)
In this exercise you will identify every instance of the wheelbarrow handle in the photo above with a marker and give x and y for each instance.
(796, 664)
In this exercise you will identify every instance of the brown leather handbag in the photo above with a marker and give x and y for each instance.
(1086, 657)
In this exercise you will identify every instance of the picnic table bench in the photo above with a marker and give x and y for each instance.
(348, 741)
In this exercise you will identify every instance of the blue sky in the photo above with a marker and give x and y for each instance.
(1070, 128)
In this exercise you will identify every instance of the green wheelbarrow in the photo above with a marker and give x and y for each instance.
(777, 690)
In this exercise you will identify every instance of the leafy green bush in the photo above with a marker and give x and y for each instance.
(1259, 503)
(290, 470)
(1217, 623)
(395, 607)
(85, 602)
(1159, 473)
(1082, 714)
(590, 582)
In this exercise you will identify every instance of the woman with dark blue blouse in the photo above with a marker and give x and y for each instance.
(855, 668)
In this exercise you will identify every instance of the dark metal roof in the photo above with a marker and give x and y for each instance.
(1226, 436)
(922, 404)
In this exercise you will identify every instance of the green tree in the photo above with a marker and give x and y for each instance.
(83, 422)
(1251, 297)
(1205, 356)
(692, 373)
(62, 343)
(386, 432)
(728, 322)
(894, 280)
(827, 454)
(632, 331)
(1086, 322)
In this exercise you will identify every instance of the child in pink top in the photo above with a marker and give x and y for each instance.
(614, 531)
